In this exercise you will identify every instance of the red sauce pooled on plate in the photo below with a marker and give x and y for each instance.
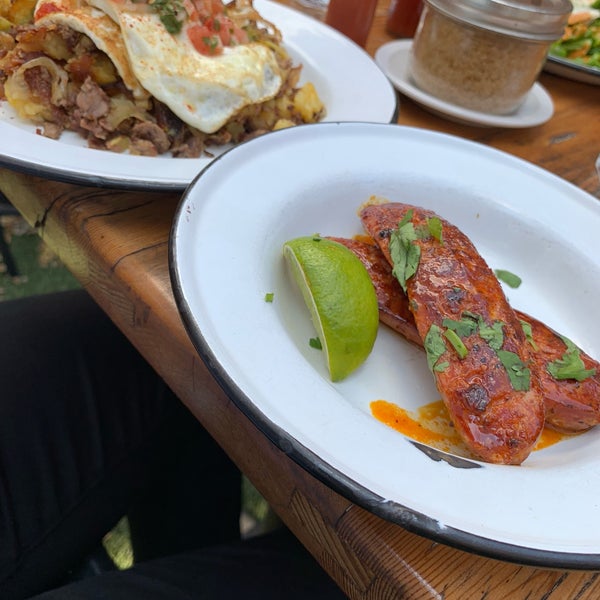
(431, 425)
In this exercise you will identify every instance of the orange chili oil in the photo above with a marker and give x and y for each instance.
(431, 425)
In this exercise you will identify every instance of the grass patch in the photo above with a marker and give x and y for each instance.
(117, 543)
(40, 271)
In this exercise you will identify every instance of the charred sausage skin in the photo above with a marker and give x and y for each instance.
(492, 395)
(391, 299)
(571, 406)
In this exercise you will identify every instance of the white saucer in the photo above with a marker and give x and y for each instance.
(393, 57)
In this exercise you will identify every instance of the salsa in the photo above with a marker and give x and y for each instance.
(207, 24)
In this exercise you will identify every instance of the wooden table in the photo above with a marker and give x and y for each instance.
(116, 244)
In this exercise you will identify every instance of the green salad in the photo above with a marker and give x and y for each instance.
(581, 39)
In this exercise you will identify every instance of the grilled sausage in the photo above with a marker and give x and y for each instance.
(476, 347)
(571, 398)
(572, 404)
(391, 299)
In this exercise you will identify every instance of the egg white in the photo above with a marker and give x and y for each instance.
(203, 91)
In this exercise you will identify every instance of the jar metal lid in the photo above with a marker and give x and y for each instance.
(540, 20)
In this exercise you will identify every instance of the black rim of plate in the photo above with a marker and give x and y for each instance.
(411, 520)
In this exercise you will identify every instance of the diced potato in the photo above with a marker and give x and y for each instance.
(103, 70)
(235, 129)
(119, 143)
(308, 104)
(283, 124)
(265, 118)
(7, 42)
(4, 8)
(54, 46)
(21, 11)
(284, 106)
(30, 111)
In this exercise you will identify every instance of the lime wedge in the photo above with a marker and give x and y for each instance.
(340, 297)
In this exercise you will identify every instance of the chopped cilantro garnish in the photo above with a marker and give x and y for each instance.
(528, 331)
(518, 373)
(512, 280)
(470, 322)
(492, 334)
(434, 346)
(465, 327)
(315, 343)
(570, 365)
(407, 218)
(405, 254)
(170, 13)
(456, 343)
(269, 297)
(434, 225)
(210, 41)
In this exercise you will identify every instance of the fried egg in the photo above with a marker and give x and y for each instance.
(100, 28)
(203, 91)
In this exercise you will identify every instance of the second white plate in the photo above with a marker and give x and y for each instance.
(347, 79)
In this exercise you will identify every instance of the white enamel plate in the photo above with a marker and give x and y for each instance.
(348, 81)
(226, 255)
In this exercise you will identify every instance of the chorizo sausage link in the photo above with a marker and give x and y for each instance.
(572, 404)
(475, 345)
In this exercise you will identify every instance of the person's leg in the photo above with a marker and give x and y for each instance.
(195, 497)
(84, 423)
(270, 567)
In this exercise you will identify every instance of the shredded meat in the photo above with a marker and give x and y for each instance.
(52, 130)
(152, 133)
(189, 145)
(142, 147)
(92, 101)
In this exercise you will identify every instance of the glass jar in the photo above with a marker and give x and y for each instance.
(352, 17)
(484, 55)
(403, 17)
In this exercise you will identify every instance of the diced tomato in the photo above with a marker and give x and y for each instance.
(46, 9)
(191, 11)
(227, 30)
(220, 26)
(215, 7)
(208, 8)
(204, 40)
(210, 28)
(241, 36)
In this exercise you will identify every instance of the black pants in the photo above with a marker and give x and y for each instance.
(271, 567)
(89, 433)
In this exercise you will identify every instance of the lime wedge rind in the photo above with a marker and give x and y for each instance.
(340, 297)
